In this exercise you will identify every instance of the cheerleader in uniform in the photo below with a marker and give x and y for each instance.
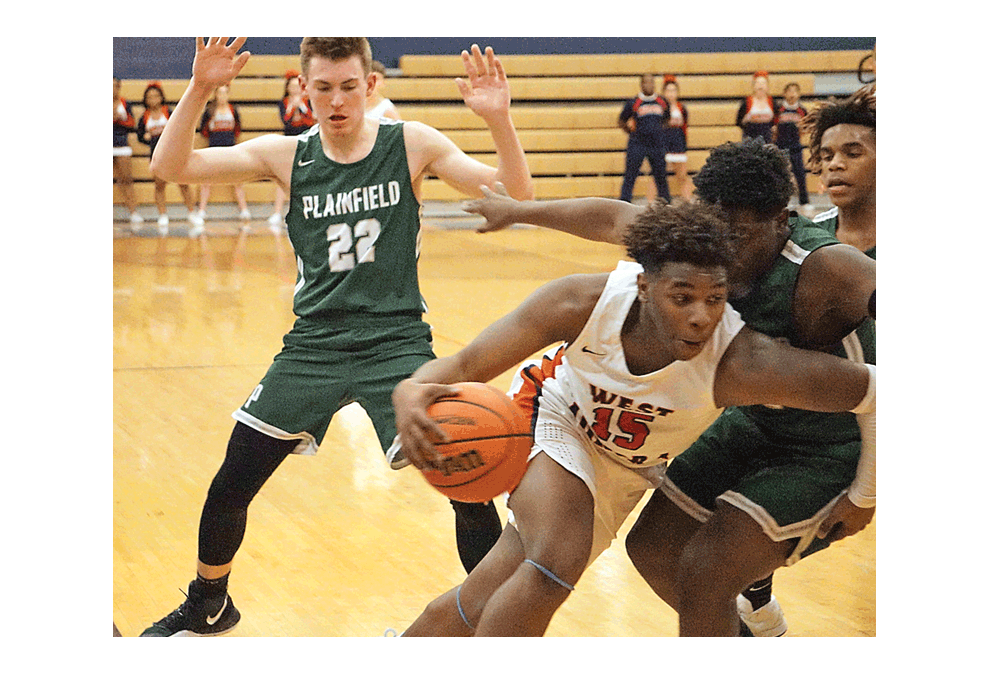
(297, 117)
(221, 126)
(756, 112)
(123, 125)
(676, 131)
(149, 130)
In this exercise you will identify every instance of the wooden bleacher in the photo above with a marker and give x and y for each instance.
(565, 108)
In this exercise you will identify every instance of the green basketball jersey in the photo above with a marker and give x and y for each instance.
(768, 309)
(355, 230)
(829, 221)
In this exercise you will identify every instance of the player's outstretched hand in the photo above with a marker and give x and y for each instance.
(216, 63)
(417, 430)
(486, 91)
(497, 207)
(845, 520)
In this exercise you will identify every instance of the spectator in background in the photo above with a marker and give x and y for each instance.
(787, 136)
(643, 118)
(149, 130)
(297, 117)
(676, 132)
(123, 125)
(378, 105)
(221, 125)
(756, 112)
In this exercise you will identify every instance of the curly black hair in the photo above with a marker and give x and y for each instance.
(748, 174)
(691, 232)
(860, 108)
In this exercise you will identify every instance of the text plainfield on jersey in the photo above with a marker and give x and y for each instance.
(636, 420)
(355, 230)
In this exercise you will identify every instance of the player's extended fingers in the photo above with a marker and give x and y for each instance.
(421, 451)
(469, 68)
(500, 71)
(492, 65)
(481, 67)
(463, 87)
(239, 62)
(237, 43)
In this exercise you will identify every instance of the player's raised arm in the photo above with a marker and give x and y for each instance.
(486, 92)
(216, 63)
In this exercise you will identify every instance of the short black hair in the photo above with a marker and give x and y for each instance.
(690, 232)
(860, 108)
(748, 174)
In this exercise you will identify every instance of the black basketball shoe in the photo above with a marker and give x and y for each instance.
(198, 616)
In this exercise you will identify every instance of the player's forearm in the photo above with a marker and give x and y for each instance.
(512, 171)
(175, 147)
(863, 491)
(446, 370)
(592, 218)
(843, 386)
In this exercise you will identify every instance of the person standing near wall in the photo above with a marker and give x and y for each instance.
(676, 132)
(787, 136)
(756, 111)
(149, 129)
(297, 117)
(123, 126)
(379, 105)
(221, 125)
(643, 119)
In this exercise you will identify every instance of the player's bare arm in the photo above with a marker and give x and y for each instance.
(757, 369)
(486, 93)
(215, 64)
(556, 312)
(832, 296)
(592, 218)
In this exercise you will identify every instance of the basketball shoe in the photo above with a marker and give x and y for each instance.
(197, 616)
(767, 621)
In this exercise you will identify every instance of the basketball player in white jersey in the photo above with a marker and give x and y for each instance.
(651, 353)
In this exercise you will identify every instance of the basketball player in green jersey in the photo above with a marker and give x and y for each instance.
(354, 184)
(759, 485)
(843, 151)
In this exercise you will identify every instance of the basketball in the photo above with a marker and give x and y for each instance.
(489, 443)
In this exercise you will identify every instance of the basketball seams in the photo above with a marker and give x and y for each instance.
(484, 438)
(488, 418)
(453, 399)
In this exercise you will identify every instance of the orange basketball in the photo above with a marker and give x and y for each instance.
(489, 443)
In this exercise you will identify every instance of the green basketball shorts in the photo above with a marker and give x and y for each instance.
(326, 365)
(788, 487)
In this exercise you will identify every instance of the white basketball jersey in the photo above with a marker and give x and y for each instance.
(637, 420)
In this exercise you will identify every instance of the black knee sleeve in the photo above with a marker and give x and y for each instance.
(478, 528)
(251, 459)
